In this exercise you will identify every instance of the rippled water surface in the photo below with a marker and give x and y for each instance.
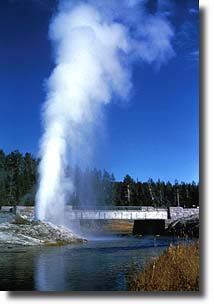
(98, 265)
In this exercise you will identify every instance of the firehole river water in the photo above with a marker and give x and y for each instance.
(102, 264)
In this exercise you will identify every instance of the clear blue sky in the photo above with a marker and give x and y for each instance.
(156, 135)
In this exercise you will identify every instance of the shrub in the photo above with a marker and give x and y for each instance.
(177, 269)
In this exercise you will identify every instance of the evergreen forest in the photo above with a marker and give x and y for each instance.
(19, 179)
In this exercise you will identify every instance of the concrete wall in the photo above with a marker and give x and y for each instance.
(179, 212)
(190, 211)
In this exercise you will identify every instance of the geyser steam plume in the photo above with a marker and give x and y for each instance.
(95, 43)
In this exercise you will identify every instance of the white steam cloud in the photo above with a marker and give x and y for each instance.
(95, 44)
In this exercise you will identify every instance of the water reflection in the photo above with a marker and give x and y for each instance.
(16, 269)
(49, 271)
(99, 265)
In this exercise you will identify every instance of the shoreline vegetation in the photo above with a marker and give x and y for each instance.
(177, 269)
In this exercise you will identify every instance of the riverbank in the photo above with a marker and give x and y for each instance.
(23, 229)
(177, 269)
(185, 227)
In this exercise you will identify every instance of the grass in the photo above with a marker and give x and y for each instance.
(177, 269)
(118, 226)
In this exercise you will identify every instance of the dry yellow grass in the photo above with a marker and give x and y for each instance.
(177, 269)
(119, 226)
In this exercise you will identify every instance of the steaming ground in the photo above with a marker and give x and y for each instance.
(22, 231)
(95, 44)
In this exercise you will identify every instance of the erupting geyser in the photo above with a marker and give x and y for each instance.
(95, 44)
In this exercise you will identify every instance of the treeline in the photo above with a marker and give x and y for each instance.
(17, 178)
(18, 182)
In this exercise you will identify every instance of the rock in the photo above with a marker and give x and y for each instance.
(186, 226)
(27, 232)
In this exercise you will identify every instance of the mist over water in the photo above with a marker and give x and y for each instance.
(95, 45)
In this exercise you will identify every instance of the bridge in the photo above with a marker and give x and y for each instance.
(117, 213)
(129, 213)
(143, 220)
(149, 220)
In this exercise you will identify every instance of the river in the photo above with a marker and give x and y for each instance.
(101, 264)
